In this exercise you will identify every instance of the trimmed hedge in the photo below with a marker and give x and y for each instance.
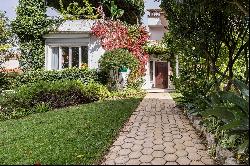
(83, 74)
(43, 96)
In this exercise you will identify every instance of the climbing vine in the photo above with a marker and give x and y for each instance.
(116, 34)
(30, 25)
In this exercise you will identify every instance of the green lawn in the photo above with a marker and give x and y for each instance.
(73, 135)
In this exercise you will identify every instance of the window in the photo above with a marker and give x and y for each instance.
(75, 56)
(84, 54)
(64, 57)
(55, 58)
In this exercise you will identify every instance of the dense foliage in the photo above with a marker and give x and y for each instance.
(211, 40)
(82, 74)
(5, 34)
(44, 95)
(133, 10)
(116, 34)
(115, 60)
(30, 24)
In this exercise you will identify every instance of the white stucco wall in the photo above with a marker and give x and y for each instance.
(146, 78)
(156, 33)
(95, 52)
(11, 64)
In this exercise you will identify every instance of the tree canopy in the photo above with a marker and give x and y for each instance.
(133, 9)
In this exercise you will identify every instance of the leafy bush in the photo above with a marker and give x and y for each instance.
(127, 93)
(85, 75)
(231, 110)
(43, 96)
(118, 58)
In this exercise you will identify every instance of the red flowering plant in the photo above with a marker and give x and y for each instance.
(116, 34)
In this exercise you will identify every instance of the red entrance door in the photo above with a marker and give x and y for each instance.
(161, 75)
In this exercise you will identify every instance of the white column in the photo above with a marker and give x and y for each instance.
(60, 58)
(70, 56)
(49, 58)
(46, 57)
(154, 72)
(177, 66)
(80, 57)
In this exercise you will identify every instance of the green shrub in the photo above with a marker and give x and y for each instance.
(43, 96)
(85, 75)
(118, 58)
(128, 93)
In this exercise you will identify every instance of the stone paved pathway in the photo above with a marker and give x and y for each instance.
(158, 134)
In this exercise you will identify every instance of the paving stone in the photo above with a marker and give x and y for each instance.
(158, 161)
(158, 147)
(181, 153)
(133, 162)
(168, 144)
(207, 161)
(124, 152)
(135, 155)
(179, 147)
(127, 145)
(188, 143)
(129, 140)
(194, 156)
(170, 157)
(121, 159)
(146, 158)
(147, 151)
(136, 148)
(171, 163)
(200, 146)
(158, 153)
(196, 163)
(158, 134)
(183, 161)
(191, 149)
(109, 162)
(169, 150)
(158, 141)
(148, 145)
(178, 141)
(177, 136)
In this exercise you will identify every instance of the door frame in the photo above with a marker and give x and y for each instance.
(154, 60)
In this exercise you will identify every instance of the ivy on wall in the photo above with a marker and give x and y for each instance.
(30, 25)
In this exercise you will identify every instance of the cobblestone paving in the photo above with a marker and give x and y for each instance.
(158, 134)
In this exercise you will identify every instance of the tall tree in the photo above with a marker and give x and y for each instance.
(219, 29)
(133, 9)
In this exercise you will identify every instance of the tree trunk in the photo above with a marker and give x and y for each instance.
(230, 70)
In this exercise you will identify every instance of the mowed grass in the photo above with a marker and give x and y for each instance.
(73, 135)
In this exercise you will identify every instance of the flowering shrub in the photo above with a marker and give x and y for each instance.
(116, 34)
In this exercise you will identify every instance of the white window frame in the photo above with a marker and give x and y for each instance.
(49, 56)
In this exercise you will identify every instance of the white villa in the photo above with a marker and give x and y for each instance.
(73, 44)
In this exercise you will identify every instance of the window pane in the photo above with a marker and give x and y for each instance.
(151, 71)
(65, 57)
(84, 55)
(75, 56)
(55, 58)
